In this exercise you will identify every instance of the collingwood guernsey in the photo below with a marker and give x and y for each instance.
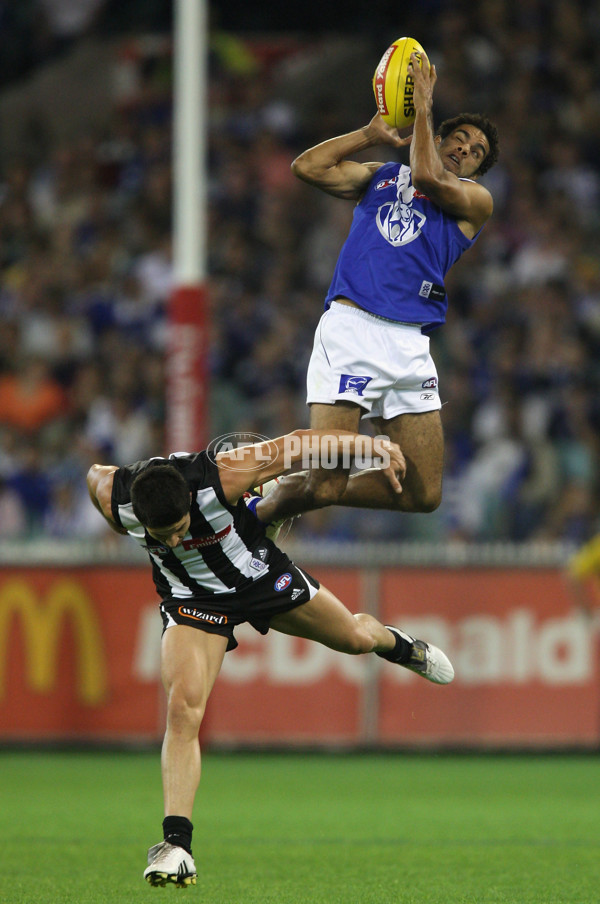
(225, 550)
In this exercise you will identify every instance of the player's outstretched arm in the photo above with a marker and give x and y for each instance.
(246, 467)
(326, 166)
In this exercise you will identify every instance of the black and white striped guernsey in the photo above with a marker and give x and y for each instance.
(225, 549)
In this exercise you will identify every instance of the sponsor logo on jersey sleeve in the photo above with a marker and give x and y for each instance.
(431, 383)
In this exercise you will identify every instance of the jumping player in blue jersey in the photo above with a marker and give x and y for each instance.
(371, 351)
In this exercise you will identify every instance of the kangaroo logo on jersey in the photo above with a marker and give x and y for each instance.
(397, 221)
(353, 384)
(283, 581)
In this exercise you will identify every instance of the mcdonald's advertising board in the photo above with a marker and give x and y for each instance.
(80, 660)
(526, 664)
(69, 654)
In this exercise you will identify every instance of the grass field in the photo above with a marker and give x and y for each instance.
(292, 829)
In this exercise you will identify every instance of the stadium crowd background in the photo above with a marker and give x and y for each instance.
(86, 272)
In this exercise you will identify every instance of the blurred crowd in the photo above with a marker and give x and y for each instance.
(86, 274)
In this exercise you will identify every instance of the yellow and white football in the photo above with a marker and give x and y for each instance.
(393, 84)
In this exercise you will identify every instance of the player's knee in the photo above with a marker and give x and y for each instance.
(358, 643)
(360, 640)
(184, 711)
(430, 500)
(425, 499)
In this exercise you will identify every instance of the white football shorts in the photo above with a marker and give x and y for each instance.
(381, 365)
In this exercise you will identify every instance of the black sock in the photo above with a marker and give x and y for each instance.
(403, 649)
(178, 830)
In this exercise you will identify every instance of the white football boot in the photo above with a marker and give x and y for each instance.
(426, 660)
(169, 863)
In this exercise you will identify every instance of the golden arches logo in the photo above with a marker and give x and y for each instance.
(41, 623)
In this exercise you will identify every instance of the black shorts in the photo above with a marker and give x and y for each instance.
(283, 588)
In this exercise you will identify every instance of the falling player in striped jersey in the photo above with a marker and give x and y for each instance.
(214, 568)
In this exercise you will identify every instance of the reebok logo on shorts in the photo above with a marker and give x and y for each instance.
(353, 384)
(199, 615)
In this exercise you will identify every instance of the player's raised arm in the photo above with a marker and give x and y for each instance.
(243, 468)
(99, 483)
(440, 166)
(326, 166)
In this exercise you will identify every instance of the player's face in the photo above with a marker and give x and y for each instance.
(173, 534)
(464, 150)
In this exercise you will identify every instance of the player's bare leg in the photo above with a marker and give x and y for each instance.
(421, 438)
(317, 487)
(326, 619)
(190, 662)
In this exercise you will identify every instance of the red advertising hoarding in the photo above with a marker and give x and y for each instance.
(526, 662)
(73, 664)
(79, 659)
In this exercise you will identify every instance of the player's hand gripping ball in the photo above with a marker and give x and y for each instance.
(393, 83)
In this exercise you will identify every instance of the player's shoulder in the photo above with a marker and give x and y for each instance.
(199, 469)
(475, 186)
(191, 464)
(384, 175)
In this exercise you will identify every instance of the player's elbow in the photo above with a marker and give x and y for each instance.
(424, 180)
(303, 168)
(299, 166)
(92, 476)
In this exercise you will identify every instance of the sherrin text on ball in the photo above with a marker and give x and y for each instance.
(393, 83)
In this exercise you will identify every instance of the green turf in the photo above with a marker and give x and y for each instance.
(361, 829)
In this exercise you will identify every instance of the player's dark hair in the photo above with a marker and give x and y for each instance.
(160, 496)
(480, 122)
